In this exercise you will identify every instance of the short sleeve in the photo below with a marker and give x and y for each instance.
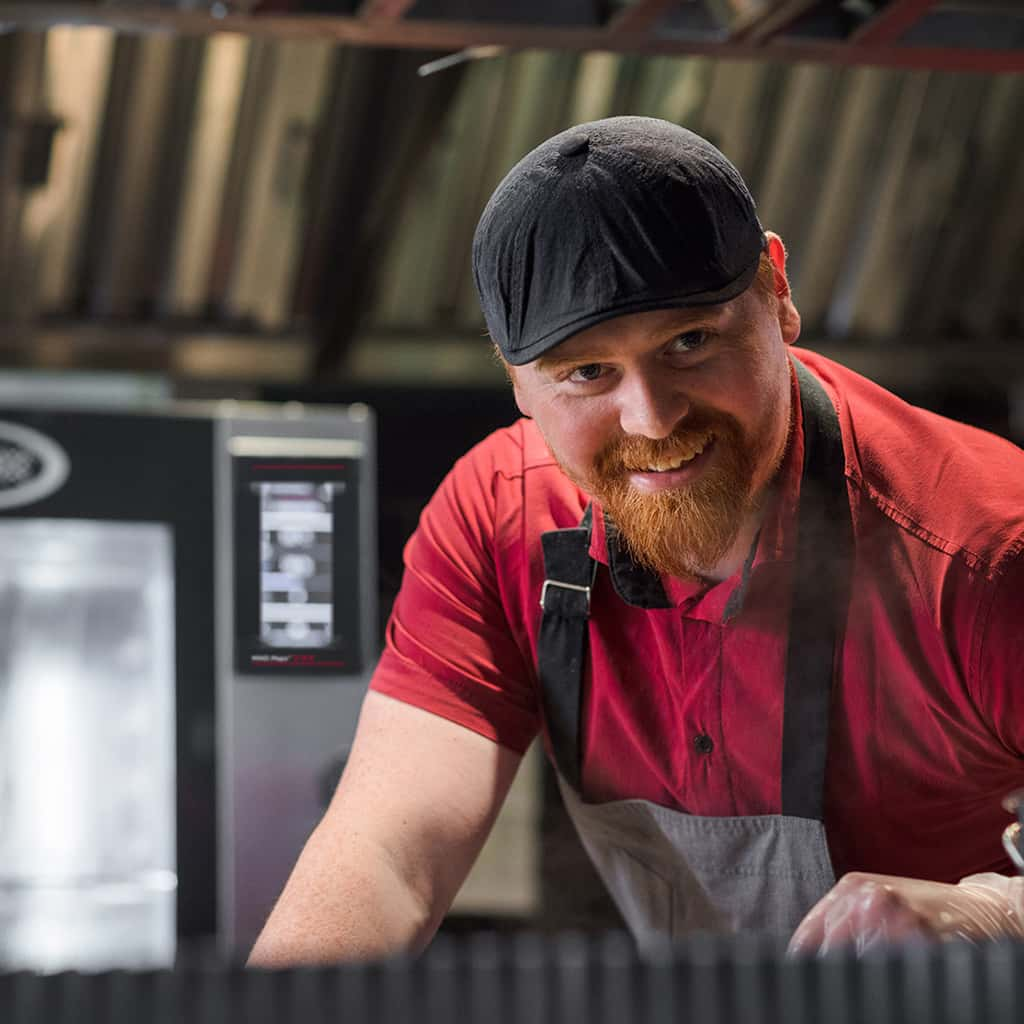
(998, 675)
(449, 645)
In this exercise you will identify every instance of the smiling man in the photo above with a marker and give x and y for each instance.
(764, 615)
(684, 474)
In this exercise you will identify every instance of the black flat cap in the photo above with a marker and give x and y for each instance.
(616, 216)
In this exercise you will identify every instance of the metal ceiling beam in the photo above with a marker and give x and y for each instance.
(887, 27)
(451, 35)
(640, 16)
(981, 6)
(390, 10)
(772, 21)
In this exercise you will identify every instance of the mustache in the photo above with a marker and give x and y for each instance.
(634, 450)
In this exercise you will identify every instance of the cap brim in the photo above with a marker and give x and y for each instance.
(564, 331)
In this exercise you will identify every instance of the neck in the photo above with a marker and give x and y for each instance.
(733, 560)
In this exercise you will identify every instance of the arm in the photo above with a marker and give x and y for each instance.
(413, 808)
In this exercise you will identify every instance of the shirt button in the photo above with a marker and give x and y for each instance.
(703, 743)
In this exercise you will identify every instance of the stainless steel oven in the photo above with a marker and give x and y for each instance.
(187, 621)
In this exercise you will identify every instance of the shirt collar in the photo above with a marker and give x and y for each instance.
(775, 542)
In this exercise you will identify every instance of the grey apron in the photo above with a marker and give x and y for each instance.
(669, 872)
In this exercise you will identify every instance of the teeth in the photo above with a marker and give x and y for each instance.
(664, 465)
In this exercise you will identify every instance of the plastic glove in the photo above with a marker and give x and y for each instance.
(868, 911)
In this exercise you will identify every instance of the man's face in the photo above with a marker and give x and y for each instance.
(675, 420)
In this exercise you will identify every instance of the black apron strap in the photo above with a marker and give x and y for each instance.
(824, 558)
(820, 598)
(562, 644)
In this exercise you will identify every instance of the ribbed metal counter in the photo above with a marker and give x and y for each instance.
(535, 980)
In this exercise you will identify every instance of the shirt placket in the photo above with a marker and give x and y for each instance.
(703, 753)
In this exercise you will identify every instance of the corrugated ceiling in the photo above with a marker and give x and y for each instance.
(190, 181)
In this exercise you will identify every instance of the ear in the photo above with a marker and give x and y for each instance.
(789, 318)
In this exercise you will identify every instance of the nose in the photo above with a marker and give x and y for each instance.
(651, 405)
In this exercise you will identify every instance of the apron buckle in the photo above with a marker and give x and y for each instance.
(565, 586)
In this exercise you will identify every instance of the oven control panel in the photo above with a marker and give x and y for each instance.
(297, 555)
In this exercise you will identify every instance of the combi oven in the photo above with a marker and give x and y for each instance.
(187, 620)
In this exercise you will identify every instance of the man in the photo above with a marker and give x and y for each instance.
(705, 567)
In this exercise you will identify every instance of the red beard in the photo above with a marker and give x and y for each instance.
(686, 531)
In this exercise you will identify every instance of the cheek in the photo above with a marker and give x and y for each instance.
(760, 395)
(757, 411)
(519, 392)
(575, 436)
(766, 426)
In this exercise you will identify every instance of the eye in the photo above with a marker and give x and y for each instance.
(586, 373)
(689, 341)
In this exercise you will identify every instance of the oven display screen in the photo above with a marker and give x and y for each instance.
(298, 559)
(296, 564)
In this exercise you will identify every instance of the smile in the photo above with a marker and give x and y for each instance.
(677, 470)
(675, 461)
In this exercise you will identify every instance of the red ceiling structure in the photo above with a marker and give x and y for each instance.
(967, 35)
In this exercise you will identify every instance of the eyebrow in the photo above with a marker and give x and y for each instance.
(549, 362)
(690, 319)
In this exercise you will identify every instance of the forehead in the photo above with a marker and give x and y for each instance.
(623, 334)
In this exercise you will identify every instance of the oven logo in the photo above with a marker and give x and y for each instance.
(32, 466)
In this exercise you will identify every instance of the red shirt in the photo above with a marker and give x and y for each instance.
(928, 710)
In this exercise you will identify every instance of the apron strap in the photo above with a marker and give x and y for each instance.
(562, 645)
(824, 558)
(820, 598)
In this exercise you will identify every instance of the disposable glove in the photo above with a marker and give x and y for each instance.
(869, 911)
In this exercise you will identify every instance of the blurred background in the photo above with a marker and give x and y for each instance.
(205, 206)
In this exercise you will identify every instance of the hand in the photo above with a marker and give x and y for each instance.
(868, 911)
